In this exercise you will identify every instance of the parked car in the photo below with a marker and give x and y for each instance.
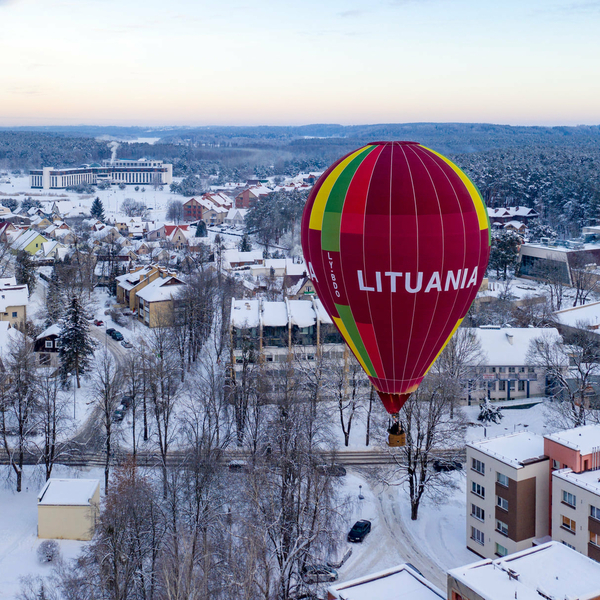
(333, 470)
(98, 322)
(118, 414)
(126, 344)
(117, 336)
(446, 465)
(127, 401)
(237, 466)
(359, 531)
(110, 331)
(318, 574)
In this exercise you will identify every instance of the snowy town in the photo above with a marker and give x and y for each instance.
(180, 411)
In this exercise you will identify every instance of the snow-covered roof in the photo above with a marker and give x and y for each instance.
(508, 346)
(514, 449)
(13, 296)
(274, 314)
(586, 439)
(161, 289)
(302, 313)
(68, 492)
(397, 583)
(245, 314)
(233, 255)
(551, 570)
(587, 480)
(588, 314)
(26, 238)
(52, 330)
(515, 224)
(129, 280)
(8, 281)
(322, 314)
(8, 335)
(288, 264)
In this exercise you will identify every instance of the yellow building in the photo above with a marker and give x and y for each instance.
(132, 282)
(30, 241)
(13, 302)
(155, 303)
(68, 509)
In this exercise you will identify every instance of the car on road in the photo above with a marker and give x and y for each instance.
(359, 531)
(126, 344)
(119, 414)
(440, 466)
(117, 336)
(98, 323)
(318, 574)
(110, 331)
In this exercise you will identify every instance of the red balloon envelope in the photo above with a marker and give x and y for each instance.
(396, 239)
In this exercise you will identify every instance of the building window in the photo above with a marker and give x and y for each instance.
(521, 369)
(511, 369)
(531, 369)
(477, 489)
(501, 527)
(502, 369)
(595, 513)
(568, 498)
(595, 539)
(501, 550)
(477, 536)
(48, 343)
(511, 385)
(478, 466)
(14, 314)
(502, 503)
(477, 512)
(568, 524)
(555, 464)
(502, 386)
(502, 479)
(521, 386)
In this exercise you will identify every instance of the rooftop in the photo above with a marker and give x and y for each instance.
(397, 583)
(585, 439)
(515, 449)
(551, 570)
(589, 480)
(588, 314)
(71, 492)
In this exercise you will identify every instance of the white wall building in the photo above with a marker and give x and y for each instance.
(507, 494)
(130, 172)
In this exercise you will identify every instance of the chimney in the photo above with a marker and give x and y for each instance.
(511, 338)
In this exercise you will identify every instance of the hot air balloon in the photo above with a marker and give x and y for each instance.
(396, 239)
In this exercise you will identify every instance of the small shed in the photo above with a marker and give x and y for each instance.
(68, 509)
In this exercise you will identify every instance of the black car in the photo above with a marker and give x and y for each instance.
(117, 336)
(119, 414)
(110, 331)
(440, 466)
(359, 531)
(318, 574)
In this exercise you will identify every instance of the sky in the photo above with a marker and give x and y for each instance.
(273, 62)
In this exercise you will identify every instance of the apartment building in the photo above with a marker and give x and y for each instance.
(550, 571)
(576, 510)
(507, 494)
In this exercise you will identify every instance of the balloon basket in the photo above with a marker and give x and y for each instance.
(396, 440)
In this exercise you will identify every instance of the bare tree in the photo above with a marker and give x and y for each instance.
(583, 278)
(18, 403)
(554, 276)
(571, 367)
(429, 432)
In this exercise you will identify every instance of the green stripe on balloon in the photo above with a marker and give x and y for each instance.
(350, 324)
(330, 233)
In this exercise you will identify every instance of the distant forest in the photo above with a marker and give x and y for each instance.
(555, 170)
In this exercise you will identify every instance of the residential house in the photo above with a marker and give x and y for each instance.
(280, 267)
(507, 494)
(51, 250)
(234, 259)
(192, 210)
(248, 197)
(46, 347)
(29, 241)
(501, 216)
(13, 302)
(156, 303)
(516, 226)
(398, 583)
(235, 217)
(550, 571)
(298, 286)
(5, 227)
(164, 231)
(130, 283)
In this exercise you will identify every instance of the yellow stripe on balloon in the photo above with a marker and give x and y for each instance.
(344, 331)
(445, 344)
(482, 216)
(318, 208)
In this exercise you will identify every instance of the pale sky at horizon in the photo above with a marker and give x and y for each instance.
(183, 62)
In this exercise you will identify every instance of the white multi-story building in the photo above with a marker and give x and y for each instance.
(576, 510)
(507, 494)
(130, 172)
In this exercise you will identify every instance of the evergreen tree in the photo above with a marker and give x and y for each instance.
(97, 210)
(504, 252)
(54, 299)
(76, 347)
(489, 413)
(25, 270)
(201, 229)
(245, 245)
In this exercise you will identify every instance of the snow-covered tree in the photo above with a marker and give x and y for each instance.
(55, 300)
(504, 252)
(489, 413)
(201, 229)
(538, 230)
(97, 210)
(76, 345)
(245, 245)
(25, 270)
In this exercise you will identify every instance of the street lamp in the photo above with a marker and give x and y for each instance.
(360, 494)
